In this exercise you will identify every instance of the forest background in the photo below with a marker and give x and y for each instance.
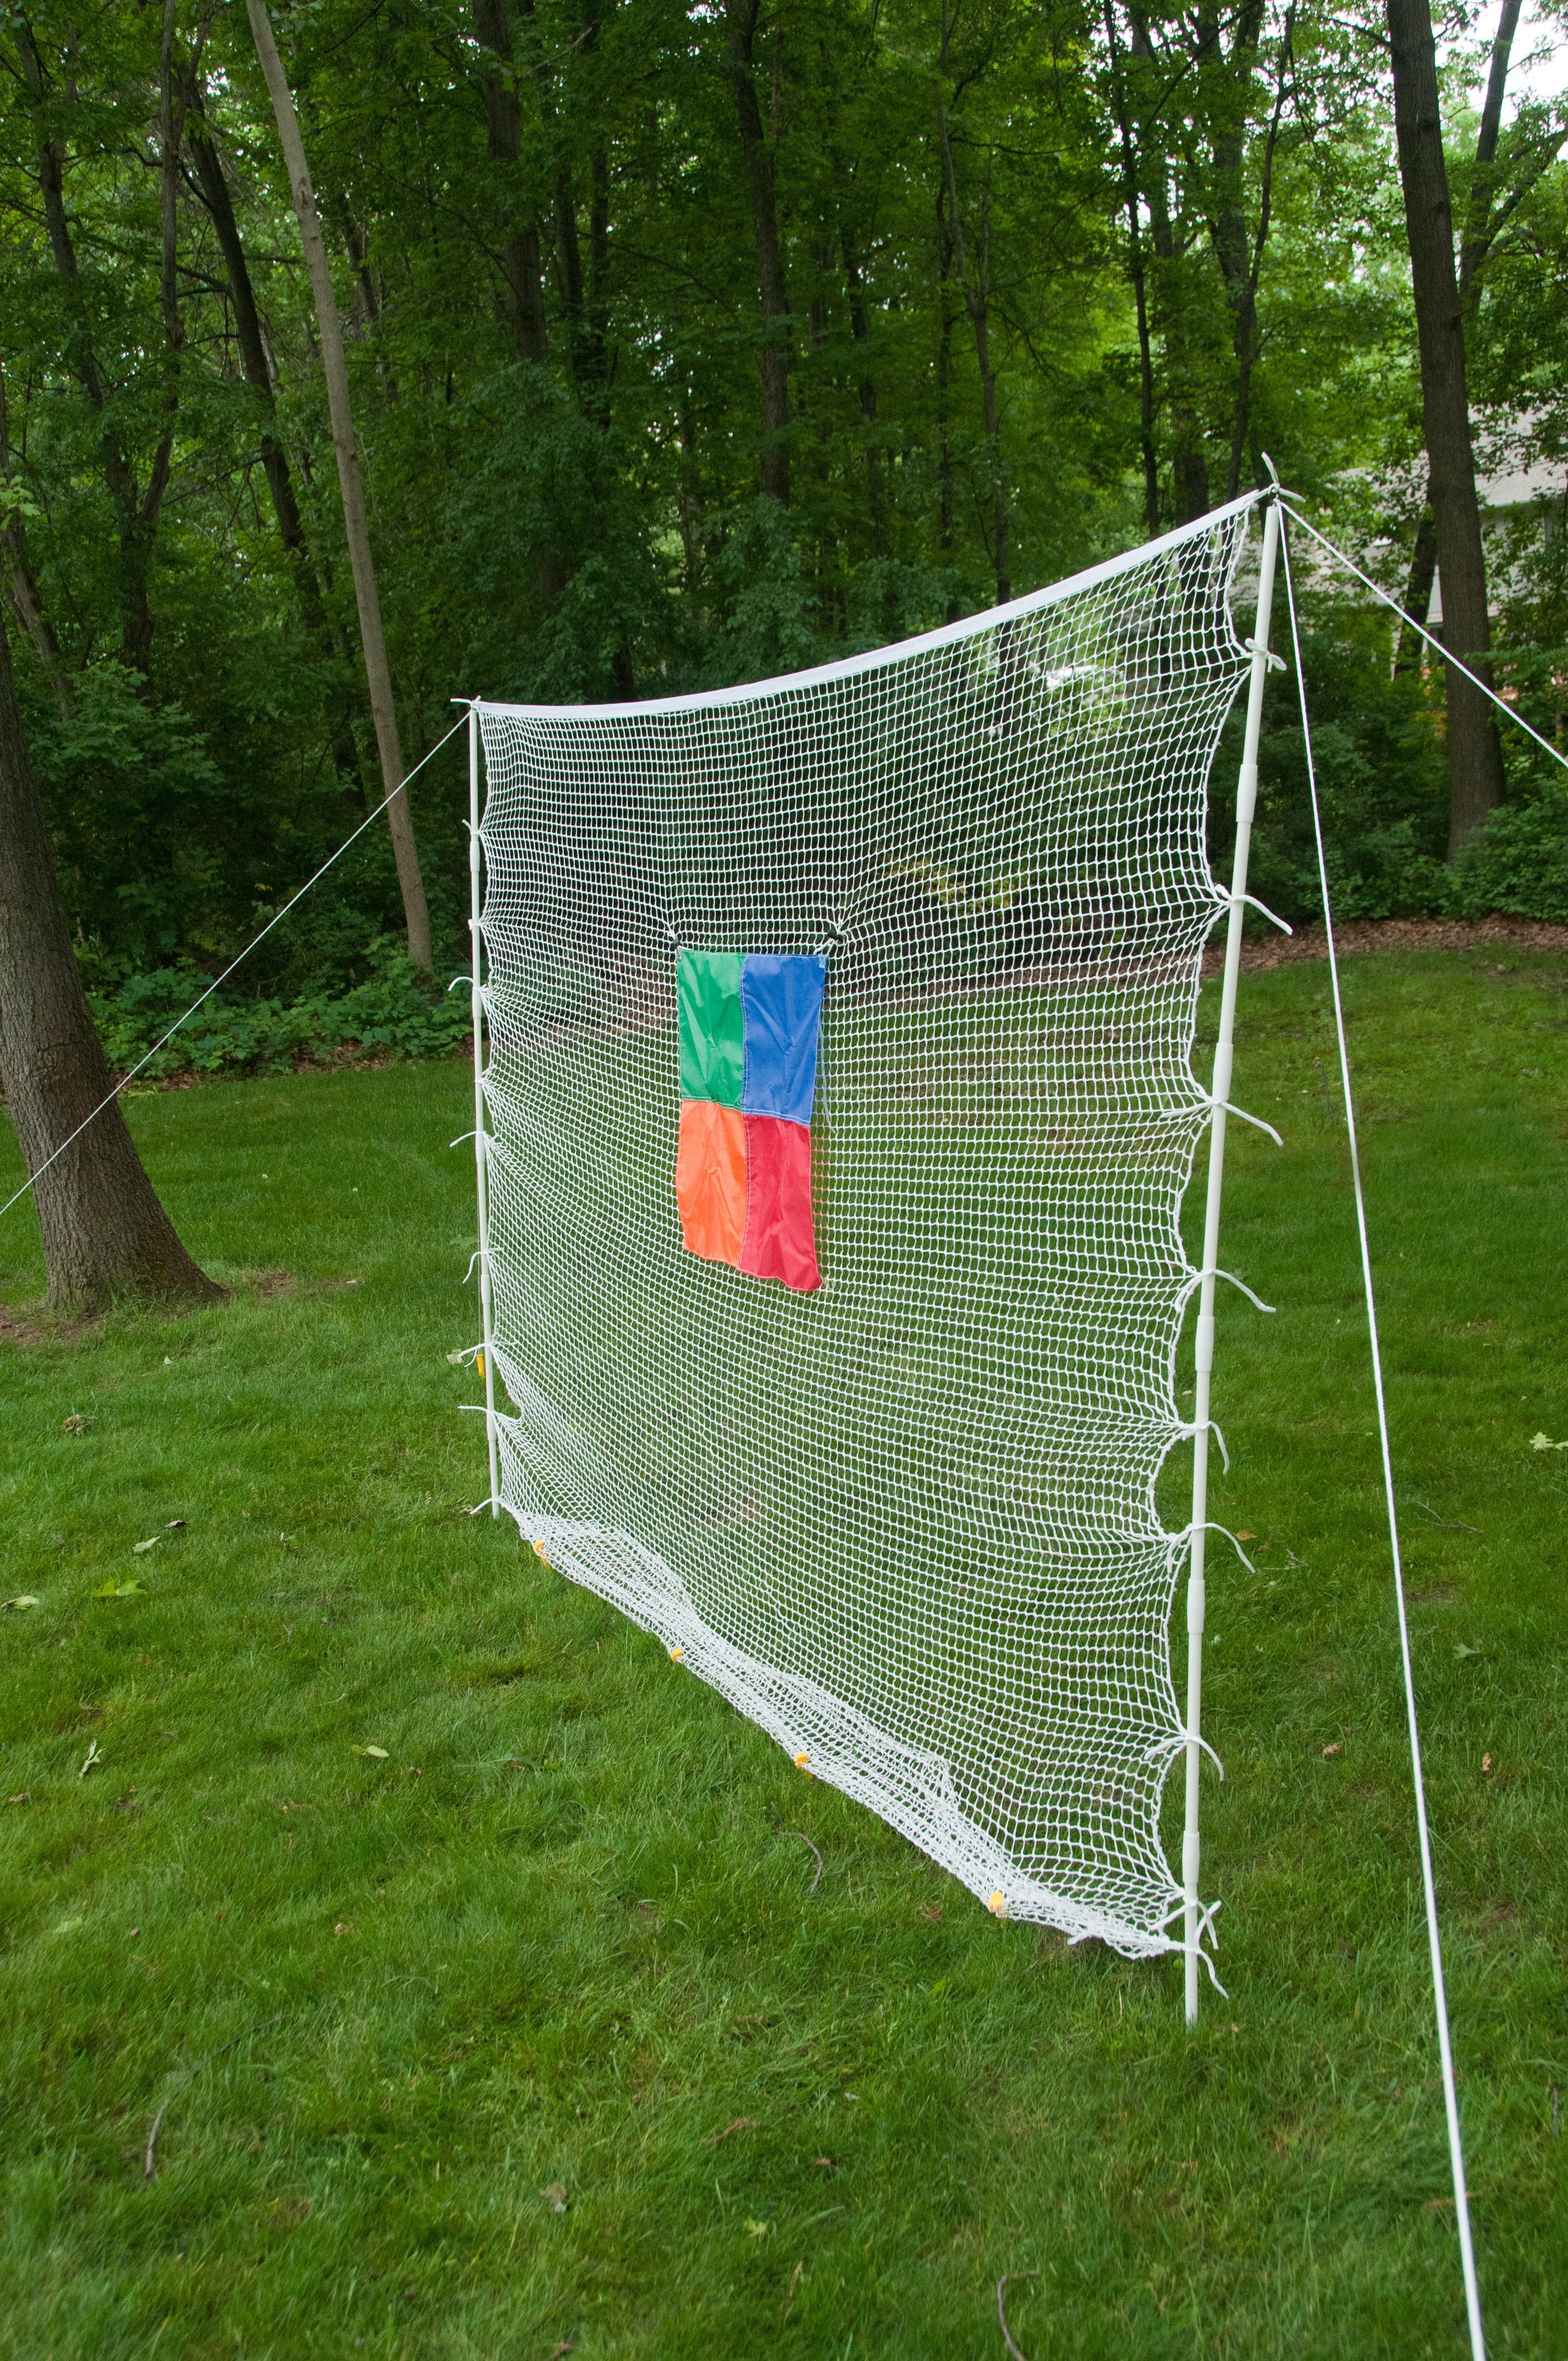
(690, 343)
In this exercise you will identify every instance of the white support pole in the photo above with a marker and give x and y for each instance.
(1203, 1353)
(480, 1132)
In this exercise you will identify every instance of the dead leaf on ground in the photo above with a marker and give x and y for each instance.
(75, 1423)
(175, 1525)
(118, 1590)
(1334, 1749)
(151, 1543)
(23, 1598)
(930, 1912)
(554, 2197)
(91, 1761)
(740, 2123)
(376, 1753)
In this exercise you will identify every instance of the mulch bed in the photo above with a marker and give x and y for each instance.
(1356, 935)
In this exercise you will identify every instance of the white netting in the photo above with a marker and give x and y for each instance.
(907, 1522)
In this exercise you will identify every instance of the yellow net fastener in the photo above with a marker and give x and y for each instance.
(480, 1363)
(997, 1906)
(678, 1655)
(801, 1761)
(538, 1549)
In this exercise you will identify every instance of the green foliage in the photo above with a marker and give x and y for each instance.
(582, 516)
(1381, 786)
(392, 1011)
(1520, 863)
(531, 2034)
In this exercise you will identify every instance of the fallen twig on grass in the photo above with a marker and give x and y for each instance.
(200, 2068)
(815, 1855)
(1002, 2309)
(1446, 1524)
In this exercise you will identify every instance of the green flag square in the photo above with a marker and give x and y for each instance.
(712, 1026)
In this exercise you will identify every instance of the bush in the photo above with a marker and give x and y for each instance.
(1519, 863)
(392, 1011)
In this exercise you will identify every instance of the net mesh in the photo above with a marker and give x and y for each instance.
(907, 1522)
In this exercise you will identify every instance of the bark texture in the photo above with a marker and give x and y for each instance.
(357, 529)
(104, 1233)
(1481, 226)
(521, 261)
(1474, 754)
(774, 358)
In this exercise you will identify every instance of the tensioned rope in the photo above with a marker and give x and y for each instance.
(1435, 645)
(276, 918)
(1435, 1939)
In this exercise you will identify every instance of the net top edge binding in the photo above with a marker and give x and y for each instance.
(987, 619)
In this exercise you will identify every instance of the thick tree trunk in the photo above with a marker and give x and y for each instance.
(773, 361)
(357, 531)
(1475, 245)
(1474, 754)
(104, 1233)
(20, 586)
(521, 261)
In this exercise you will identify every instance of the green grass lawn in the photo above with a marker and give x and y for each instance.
(526, 2036)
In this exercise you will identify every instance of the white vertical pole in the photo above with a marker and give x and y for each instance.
(480, 1135)
(1203, 1356)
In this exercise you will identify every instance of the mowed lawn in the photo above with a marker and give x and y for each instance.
(526, 2034)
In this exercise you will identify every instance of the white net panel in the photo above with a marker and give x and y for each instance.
(906, 1522)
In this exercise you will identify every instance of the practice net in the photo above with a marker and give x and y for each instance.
(906, 1518)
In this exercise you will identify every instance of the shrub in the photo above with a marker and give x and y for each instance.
(392, 1011)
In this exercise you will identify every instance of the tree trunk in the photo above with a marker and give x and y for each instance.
(1189, 467)
(773, 361)
(136, 512)
(859, 328)
(977, 297)
(20, 589)
(521, 261)
(944, 397)
(256, 370)
(254, 365)
(1474, 754)
(377, 676)
(1475, 245)
(104, 1233)
(1136, 274)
